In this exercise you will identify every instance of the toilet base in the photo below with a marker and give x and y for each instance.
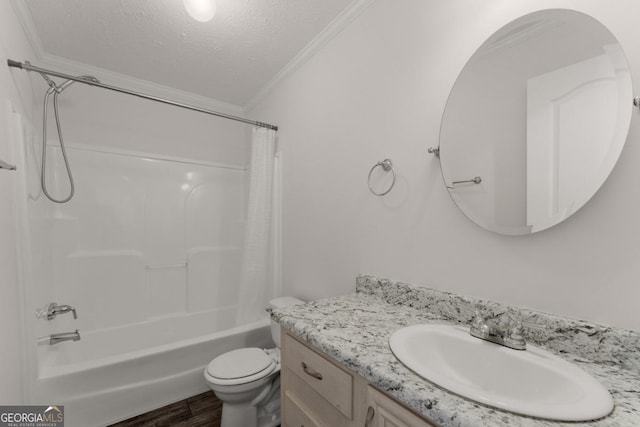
(239, 415)
(234, 415)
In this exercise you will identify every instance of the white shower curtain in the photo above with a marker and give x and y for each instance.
(260, 262)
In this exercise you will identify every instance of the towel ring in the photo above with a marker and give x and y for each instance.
(386, 165)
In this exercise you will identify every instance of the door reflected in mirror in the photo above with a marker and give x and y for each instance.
(539, 115)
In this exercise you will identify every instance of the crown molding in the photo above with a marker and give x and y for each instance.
(67, 66)
(348, 15)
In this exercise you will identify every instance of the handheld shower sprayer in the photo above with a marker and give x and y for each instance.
(56, 90)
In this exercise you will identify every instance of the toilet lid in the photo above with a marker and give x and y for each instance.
(241, 363)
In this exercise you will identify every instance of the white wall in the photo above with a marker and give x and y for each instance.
(378, 90)
(103, 118)
(16, 93)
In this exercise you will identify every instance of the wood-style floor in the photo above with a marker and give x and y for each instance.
(198, 411)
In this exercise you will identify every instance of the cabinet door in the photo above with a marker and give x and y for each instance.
(382, 411)
(296, 414)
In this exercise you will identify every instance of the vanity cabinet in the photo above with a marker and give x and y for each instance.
(383, 411)
(316, 392)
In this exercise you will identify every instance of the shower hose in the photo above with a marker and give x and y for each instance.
(56, 90)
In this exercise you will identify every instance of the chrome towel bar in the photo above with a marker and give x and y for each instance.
(475, 180)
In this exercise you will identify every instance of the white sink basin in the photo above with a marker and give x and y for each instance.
(530, 382)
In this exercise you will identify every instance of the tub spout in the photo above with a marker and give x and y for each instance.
(65, 336)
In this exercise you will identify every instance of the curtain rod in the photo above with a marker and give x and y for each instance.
(27, 66)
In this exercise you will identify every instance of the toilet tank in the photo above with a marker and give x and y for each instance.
(280, 303)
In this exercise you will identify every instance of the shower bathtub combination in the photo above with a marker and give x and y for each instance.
(149, 250)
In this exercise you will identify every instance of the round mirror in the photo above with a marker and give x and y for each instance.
(536, 121)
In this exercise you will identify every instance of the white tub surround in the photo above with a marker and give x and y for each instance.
(149, 253)
(354, 330)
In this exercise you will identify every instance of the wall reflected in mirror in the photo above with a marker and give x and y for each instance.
(540, 113)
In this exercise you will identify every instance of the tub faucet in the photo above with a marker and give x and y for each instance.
(65, 336)
(54, 309)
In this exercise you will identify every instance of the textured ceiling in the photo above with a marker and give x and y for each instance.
(228, 59)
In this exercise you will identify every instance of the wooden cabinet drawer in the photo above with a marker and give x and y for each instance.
(316, 407)
(328, 380)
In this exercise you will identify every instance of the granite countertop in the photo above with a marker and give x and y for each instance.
(354, 330)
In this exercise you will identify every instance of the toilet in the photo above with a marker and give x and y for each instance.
(247, 380)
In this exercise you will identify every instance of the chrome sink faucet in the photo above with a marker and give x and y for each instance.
(508, 336)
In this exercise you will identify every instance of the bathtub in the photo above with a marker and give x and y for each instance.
(105, 390)
(154, 284)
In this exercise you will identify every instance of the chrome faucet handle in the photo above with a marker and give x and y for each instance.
(54, 309)
(478, 321)
(478, 326)
(67, 308)
(514, 335)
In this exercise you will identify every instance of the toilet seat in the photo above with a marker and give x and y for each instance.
(240, 366)
(247, 381)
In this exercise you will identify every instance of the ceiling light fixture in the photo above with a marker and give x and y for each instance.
(201, 10)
